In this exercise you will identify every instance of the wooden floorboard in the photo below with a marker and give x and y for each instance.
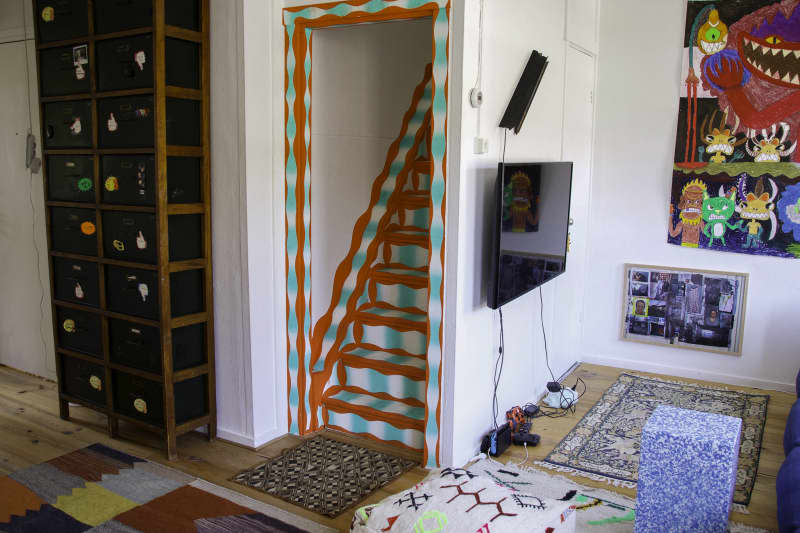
(31, 432)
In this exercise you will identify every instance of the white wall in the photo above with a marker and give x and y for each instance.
(26, 335)
(637, 105)
(512, 30)
(363, 78)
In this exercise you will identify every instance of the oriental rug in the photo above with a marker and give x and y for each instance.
(98, 489)
(325, 475)
(604, 445)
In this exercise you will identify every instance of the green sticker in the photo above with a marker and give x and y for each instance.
(85, 184)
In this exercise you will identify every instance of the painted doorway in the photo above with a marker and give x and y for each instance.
(309, 371)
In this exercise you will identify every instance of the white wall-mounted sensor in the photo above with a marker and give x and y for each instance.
(475, 97)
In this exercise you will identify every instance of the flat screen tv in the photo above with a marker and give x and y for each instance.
(531, 222)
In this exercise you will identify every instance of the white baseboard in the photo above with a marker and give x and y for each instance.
(691, 373)
(249, 441)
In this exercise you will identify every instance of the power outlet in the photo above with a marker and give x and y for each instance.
(481, 145)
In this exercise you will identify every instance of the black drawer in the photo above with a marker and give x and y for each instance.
(79, 331)
(76, 281)
(118, 15)
(73, 230)
(70, 178)
(182, 63)
(129, 179)
(130, 236)
(183, 122)
(83, 380)
(68, 124)
(186, 292)
(143, 399)
(62, 19)
(183, 13)
(126, 122)
(139, 346)
(135, 345)
(138, 398)
(132, 291)
(125, 63)
(185, 237)
(188, 346)
(183, 180)
(191, 399)
(64, 70)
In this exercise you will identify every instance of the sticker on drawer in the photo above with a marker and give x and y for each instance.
(140, 405)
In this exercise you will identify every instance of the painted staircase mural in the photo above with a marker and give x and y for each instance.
(368, 351)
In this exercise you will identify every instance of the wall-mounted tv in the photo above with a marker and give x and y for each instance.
(531, 223)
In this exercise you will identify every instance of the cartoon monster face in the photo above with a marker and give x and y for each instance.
(712, 36)
(758, 205)
(719, 208)
(771, 47)
(719, 142)
(691, 202)
(755, 207)
(521, 187)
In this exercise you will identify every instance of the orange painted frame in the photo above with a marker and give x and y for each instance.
(299, 22)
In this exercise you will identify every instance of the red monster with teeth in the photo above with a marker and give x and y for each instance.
(759, 80)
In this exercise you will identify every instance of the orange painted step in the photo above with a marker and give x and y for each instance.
(393, 273)
(401, 319)
(418, 238)
(423, 166)
(373, 407)
(385, 362)
(413, 200)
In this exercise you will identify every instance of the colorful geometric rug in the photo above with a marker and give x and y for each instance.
(596, 510)
(604, 445)
(99, 489)
(325, 475)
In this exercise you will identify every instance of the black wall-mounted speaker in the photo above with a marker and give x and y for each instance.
(523, 95)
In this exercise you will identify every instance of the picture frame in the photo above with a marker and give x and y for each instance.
(688, 308)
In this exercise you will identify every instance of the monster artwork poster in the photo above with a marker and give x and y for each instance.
(736, 178)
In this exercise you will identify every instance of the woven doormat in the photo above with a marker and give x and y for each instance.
(324, 475)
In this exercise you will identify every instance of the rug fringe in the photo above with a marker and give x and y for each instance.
(679, 382)
(736, 527)
(589, 475)
(739, 508)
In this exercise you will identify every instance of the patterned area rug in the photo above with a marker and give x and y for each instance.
(604, 445)
(99, 489)
(596, 510)
(325, 475)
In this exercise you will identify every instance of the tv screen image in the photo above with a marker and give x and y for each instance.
(530, 228)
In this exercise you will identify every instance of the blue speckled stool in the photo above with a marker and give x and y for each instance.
(687, 471)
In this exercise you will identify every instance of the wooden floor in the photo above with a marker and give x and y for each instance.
(31, 432)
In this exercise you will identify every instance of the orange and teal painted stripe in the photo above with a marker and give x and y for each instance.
(299, 23)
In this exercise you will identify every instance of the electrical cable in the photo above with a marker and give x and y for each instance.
(544, 335)
(498, 369)
(479, 77)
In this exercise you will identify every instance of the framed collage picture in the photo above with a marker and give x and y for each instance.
(696, 309)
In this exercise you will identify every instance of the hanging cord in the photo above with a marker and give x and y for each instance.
(479, 77)
(544, 335)
(30, 197)
(498, 370)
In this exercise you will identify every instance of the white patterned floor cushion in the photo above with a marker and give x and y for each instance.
(455, 500)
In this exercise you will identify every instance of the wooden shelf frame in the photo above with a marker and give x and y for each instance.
(162, 209)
